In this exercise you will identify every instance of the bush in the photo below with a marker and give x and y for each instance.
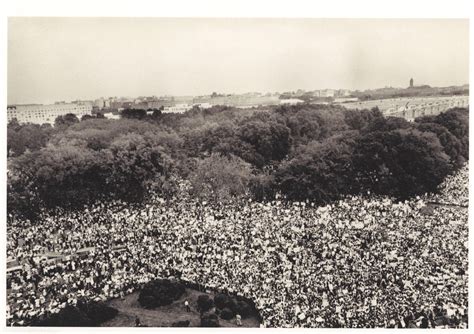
(98, 312)
(244, 309)
(227, 314)
(204, 303)
(85, 314)
(221, 300)
(159, 293)
(210, 320)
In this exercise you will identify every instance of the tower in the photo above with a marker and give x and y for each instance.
(411, 83)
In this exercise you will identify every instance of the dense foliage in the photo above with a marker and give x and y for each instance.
(84, 314)
(160, 293)
(204, 303)
(231, 305)
(209, 320)
(304, 152)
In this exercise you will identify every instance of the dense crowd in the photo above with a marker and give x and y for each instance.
(359, 262)
(454, 189)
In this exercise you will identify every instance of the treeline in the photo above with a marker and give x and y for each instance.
(304, 152)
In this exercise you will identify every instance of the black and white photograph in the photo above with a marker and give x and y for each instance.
(247, 172)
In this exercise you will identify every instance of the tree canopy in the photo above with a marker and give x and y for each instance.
(303, 152)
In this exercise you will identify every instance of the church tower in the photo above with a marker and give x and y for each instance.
(411, 83)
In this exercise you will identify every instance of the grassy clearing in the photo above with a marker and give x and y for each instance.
(164, 316)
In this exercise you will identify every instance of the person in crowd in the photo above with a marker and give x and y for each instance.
(238, 320)
(186, 304)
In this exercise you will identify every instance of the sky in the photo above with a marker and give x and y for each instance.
(56, 59)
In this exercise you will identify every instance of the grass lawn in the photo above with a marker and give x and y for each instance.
(164, 316)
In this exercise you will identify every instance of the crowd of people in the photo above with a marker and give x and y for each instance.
(454, 190)
(359, 262)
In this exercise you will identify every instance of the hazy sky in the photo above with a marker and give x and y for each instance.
(51, 59)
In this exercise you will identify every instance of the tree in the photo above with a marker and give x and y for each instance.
(400, 163)
(318, 171)
(359, 119)
(60, 176)
(22, 197)
(134, 113)
(220, 178)
(134, 161)
(16, 144)
(384, 124)
(92, 160)
(65, 121)
(452, 145)
(157, 113)
(263, 142)
(220, 138)
(262, 186)
(456, 120)
(86, 117)
(22, 137)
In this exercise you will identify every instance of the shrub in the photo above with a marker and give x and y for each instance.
(98, 312)
(204, 303)
(85, 314)
(210, 320)
(221, 300)
(227, 314)
(159, 293)
(243, 308)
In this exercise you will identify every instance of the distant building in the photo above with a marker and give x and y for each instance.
(243, 100)
(203, 105)
(179, 108)
(161, 103)
(46, 113)
(111, 115)
(345, 99)
(342, 93)
(411, 83)
(291, 101)
(327, 93)
(99, 103)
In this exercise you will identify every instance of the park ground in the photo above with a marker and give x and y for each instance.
(164, 316)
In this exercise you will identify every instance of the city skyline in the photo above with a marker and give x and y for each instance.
(55, 59)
